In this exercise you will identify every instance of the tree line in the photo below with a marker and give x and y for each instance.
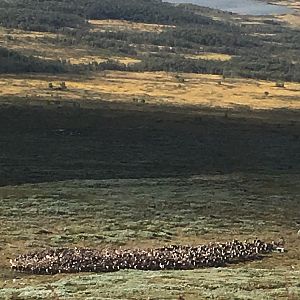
(267, 51)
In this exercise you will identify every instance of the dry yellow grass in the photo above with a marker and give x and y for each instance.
(122, 25)
(17, 34)
(31, 43)
(210, 56)
(256, 21)
(289, 3)
(87, 59)
(292, 20)
(158, 88)
(99, 59)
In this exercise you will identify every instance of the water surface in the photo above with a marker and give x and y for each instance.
(248, 7)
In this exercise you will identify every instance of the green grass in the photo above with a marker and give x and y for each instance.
(65, 196)
(119, 211)
(240, 283)
(149, 212)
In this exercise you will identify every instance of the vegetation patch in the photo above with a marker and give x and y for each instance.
(210, 56)
(122, 25)
(155, 36)
(155, 88)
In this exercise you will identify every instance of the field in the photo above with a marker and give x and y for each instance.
(154, 88)
(146, 159)
(210, 56)
(44, 45)
(122, 175)
(122, 25)
(158, 88)
(150, 212)
(291, 19)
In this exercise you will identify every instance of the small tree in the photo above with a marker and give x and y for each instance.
(267, 94)
(279, 84)
(50, 85)
(179, 78)
(63, 85)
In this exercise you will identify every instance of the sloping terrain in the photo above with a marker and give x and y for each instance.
(137, 123)
(117, 141)
(152, 36)
(150, 88)
(154, 212)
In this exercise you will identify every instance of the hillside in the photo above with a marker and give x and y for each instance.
(261, 49)
(137, 124)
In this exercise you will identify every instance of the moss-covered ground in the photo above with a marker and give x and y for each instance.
(151, 212)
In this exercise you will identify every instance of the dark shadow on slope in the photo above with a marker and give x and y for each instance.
(42, 145)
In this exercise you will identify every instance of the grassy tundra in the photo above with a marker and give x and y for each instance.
(151, 212)
(125, 157)
(180, 176)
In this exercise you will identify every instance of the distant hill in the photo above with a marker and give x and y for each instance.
(54, 14)
(264, 49)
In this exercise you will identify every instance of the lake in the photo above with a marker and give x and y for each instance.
(245, 7)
